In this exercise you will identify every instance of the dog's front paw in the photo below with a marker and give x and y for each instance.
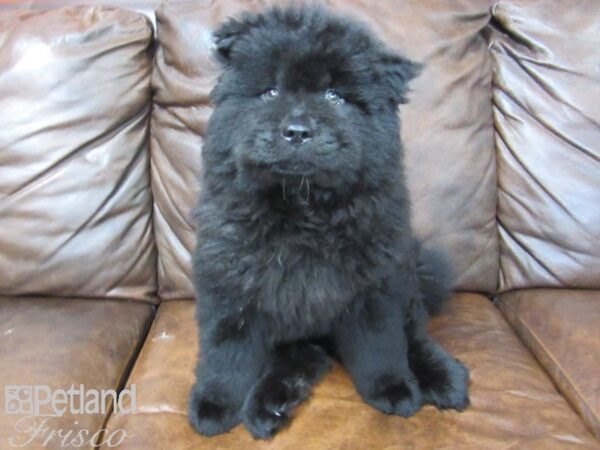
(443, 380)
(394, 394)
(210, 413)
(270, 403)
(447, 388)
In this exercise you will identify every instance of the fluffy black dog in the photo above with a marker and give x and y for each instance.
(304, 244)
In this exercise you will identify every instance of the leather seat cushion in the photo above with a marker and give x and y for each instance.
(562, 329)
(60, 343)
(514, 403)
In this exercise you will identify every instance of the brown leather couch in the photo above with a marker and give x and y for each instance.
(101, 124)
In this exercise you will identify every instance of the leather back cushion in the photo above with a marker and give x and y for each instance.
(75, 200)
(547, 113)
(447, 127)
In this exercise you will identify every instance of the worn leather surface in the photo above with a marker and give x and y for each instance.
(562, 329)
(514, 403)
(145, 7)
(62, 342)
(75, 200)
(547, 116)
(447, 127)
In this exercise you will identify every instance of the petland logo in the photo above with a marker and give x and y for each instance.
(39, 404)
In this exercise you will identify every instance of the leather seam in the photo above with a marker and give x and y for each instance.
(525, 329)
(127, 367)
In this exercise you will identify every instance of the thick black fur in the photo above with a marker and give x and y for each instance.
(305, 239)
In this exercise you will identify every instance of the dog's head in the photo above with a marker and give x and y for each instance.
(307, 95)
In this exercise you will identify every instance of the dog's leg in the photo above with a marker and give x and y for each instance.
(371, 343)
(232, 357)
(292, 370)
(442, 379)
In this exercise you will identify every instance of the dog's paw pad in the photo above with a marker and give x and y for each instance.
(394, 395)
(453, 392)
(210, 417)
(268, 408)
(443, 380)
(263, 424)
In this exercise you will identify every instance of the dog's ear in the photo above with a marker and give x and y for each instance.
(226, 37)
(397, 72)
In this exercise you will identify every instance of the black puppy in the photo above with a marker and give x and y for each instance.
(304, 229)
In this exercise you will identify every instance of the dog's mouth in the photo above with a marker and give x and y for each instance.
(292, 168)
(288, 168)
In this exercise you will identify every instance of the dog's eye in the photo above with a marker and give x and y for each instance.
(270, 93)
(333, 97)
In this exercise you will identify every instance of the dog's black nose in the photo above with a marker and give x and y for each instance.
(297, 131)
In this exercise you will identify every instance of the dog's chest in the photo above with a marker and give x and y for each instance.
(304, 275)
(299, 286)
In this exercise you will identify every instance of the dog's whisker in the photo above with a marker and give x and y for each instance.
(283, 188)
(307, 189)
